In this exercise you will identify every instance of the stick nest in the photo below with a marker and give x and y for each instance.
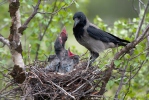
(76, 85)
(42, 85)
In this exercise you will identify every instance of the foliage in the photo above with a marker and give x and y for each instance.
(138, 86)
(49, 24)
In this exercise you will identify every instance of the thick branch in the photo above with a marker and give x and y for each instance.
(14, 37)
(15, 42)
(120, 53)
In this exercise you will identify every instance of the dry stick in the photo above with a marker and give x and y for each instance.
(73, 81)
(79, 87)
(37, 77)
(65, 92)
(7, 86)
(8, 92)
(141, 22)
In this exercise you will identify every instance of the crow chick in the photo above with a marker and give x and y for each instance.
(60, 51)
(68, 63)
(93, 38)
(73, 56)
(53, 63)
(59, 44)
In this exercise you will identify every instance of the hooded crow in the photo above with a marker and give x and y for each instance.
(93, 38)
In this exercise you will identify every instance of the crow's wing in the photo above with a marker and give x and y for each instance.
(103, 36)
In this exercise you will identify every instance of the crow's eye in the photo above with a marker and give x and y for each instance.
(80, 17)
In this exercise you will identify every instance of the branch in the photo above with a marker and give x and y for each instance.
(15, 42)
(4, 41)
(65, 92)
(141, 22)
(15, 37)
(24, 26)
(55, 12)
(121, 84)
(108, 71)
(40, 35)
(52, 15)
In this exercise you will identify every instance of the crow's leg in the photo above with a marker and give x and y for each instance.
(92, 58)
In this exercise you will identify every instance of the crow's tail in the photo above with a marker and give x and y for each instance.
(123, 42)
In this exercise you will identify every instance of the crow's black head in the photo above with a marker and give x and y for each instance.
(79, 19)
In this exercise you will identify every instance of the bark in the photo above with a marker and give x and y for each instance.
(15, 42)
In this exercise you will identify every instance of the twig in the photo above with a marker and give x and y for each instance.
(134, 7)
(8, 85)
(147, 54)
(137, 70)
(4, 26)
(79, 88)
(24, 26)
(4, 1)
(121, 83)
(128, 84)
(41, 36)
(73, 81)
(55, 12)
(29, 50)
(62, 90)
(4, 41)
(141, 2)
(37, 77)
(141, 22)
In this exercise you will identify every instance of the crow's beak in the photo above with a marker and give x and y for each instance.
(76, 21)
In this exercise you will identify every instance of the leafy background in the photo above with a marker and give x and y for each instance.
(118, 17)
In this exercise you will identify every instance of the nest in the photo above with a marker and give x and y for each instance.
(76, 85)
(42, 85)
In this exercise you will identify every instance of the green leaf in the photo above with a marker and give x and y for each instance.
(110, 84)
(117, 62)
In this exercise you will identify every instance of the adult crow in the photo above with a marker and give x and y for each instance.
(93, 38)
